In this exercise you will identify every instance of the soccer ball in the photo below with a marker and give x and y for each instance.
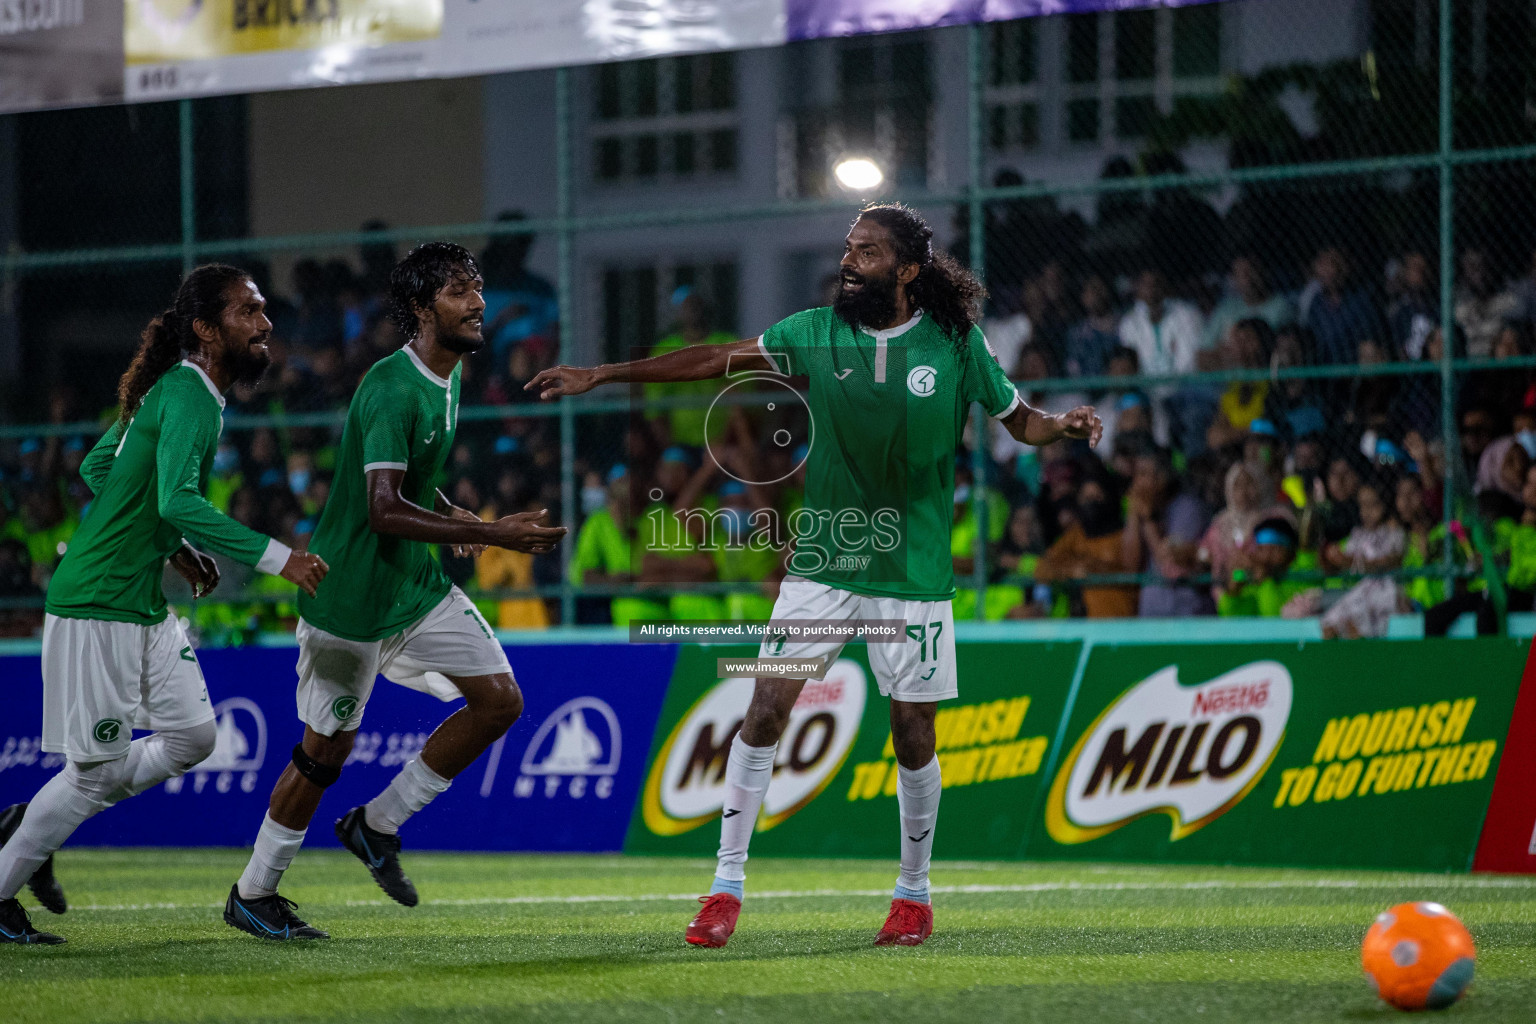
(1418, 956)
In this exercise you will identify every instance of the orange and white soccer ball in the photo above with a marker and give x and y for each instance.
(1418, 956)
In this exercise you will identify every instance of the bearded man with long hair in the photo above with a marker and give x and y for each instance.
(113, 660)
(894, 365)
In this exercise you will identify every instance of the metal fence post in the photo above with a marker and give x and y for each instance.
(1449, 436)
(975, 64)
(567, 282)
(188, 186)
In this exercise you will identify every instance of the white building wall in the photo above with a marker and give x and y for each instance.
(781, 259)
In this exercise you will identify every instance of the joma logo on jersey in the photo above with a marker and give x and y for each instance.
(1191, 752)
(686, 784)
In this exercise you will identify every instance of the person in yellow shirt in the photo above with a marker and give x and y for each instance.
(1247, 347)
(505, 569)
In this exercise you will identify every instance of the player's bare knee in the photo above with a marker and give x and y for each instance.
(912, 735)
(331, 751)
(768, 713)
(502, 705)
(913, 752)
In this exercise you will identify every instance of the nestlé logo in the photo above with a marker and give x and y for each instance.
(1191, 752)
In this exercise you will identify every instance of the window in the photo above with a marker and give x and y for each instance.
(1083, 120)
(1013, 86)
(882, 109)
(1133, 116)
(637, 302)
(1197, 41)
(1015, 53)
(1123, 69)
(668, 118)
(1135, 45)
(1083, 48)
(1013, 126)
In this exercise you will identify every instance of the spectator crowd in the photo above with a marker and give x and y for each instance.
(1224, 485)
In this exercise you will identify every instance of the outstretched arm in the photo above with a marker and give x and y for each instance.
(390, 514)
(1032, 426)
(692, 362)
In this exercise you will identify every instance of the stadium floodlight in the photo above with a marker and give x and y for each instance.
(858, 173)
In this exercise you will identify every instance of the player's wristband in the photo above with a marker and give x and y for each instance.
(274, 558)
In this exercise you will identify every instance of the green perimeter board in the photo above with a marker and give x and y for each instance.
(1428, 817)
(993, 759)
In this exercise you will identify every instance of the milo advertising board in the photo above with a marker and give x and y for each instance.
(1367, 754)
(834, 783)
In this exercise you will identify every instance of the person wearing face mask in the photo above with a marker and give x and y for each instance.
(605, 555)
(1091, 547)
(593, 494)
(301, 472)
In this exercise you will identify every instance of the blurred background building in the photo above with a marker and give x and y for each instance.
(1241, 229)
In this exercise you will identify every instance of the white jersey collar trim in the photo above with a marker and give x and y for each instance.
(426, 371)
(206, 380)
(894, 332)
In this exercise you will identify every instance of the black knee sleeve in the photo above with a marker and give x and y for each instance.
(320, 774)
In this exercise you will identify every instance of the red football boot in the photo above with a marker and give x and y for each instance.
(716, 922)
(909, 924)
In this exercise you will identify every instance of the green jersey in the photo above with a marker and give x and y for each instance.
(887, 411)
(402, 417)
(149, 478)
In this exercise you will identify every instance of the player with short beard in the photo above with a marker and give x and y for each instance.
(113, 660)
(894, 365)
(395, 612)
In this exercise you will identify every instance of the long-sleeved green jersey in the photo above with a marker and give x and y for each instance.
(149, 477)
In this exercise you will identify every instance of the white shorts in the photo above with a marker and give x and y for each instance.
(919, 670)
(102, 680)
(336, 675)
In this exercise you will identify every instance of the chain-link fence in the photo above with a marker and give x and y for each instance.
(1248, 263)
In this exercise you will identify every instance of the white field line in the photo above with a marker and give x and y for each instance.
(1032, 887)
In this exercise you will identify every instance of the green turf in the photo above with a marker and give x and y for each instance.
(500, 938)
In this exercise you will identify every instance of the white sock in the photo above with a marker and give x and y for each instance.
(917, 800)
(408, 793)
(748, 771)
(146, 766)
(51, 818)
(276, 846)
